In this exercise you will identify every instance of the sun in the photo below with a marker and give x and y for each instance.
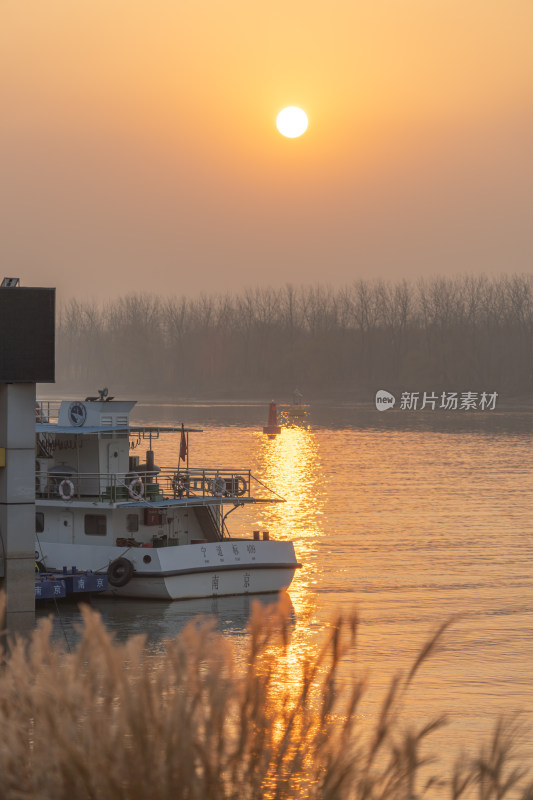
(292, 122)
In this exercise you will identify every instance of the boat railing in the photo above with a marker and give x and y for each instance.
(158, 484)
(47, 411)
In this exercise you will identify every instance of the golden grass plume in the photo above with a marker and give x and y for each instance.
(109, 721)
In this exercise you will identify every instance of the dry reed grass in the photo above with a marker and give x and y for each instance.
(107, 722)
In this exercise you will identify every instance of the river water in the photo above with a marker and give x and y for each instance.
(407, 518)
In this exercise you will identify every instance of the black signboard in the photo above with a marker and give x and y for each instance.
(27, 335)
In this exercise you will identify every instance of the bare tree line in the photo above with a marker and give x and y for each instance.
(471, 333)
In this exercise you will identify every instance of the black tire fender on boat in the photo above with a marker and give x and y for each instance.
(120, 572)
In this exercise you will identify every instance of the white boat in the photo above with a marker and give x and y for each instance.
(156, 532)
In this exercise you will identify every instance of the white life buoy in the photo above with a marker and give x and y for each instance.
(240, 486)
(218, 487)
(66, 489)
(136, 489)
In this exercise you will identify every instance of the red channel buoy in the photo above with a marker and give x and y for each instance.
(272, 428)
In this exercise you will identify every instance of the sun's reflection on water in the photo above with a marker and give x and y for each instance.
(291, 465)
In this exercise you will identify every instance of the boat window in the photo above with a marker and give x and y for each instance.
(132, 523)
(95, 524)
(39, 522)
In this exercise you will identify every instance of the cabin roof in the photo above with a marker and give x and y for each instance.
(50, 427)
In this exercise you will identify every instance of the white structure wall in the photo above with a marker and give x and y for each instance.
(17, 504)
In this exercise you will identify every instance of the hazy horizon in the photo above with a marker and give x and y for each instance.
(140, 152)
(438, 335)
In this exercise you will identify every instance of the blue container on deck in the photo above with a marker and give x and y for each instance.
(47, 588)
(84, 582)
(52, 585)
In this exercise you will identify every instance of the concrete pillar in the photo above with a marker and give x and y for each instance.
(17, 504)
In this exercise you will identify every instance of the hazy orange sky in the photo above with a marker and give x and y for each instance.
(139, 149)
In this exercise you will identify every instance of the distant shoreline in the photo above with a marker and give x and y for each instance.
(521, 403)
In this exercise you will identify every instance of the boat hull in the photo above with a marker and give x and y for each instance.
(229, 567)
